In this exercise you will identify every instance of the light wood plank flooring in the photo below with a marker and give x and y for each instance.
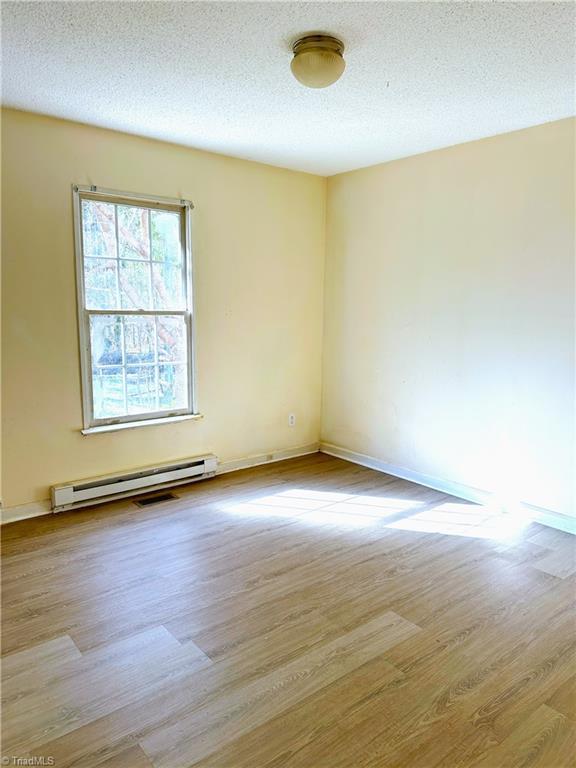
(305, 614)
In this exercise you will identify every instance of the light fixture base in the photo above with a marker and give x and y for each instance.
(327, 42)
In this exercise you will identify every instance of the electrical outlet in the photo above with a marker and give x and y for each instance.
(291, 419)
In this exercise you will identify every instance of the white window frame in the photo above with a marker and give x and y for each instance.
(184, 207)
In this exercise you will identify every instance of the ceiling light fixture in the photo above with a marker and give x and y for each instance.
(318, 60)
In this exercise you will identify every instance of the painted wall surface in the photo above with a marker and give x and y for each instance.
(449, 314)
(448, 309)
(259, 260)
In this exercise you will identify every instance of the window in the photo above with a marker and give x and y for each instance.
(134, 307)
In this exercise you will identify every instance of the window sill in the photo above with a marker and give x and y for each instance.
(143, 423)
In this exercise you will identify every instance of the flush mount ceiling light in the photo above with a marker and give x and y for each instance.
(318, 60)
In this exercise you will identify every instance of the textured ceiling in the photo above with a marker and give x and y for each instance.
(215, 75)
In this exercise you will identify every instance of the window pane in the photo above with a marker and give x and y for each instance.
(168, 286)
(98, 229)
(171, 340)
(101, 283)
(138, 364)
(141, 388)
(172, 383)
(135, 285)
(106, 339)
(133, 234)
(165, 228)
(133, 259)
(108, 392)
(139, 340)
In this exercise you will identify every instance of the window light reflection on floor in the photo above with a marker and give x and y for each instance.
(311, 507)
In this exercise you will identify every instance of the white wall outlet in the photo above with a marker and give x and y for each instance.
(291, 419)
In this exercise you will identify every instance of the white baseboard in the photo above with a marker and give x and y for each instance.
(37, 508)
(467, 492)
(266, 458)
(552, 519)
(454, 489)
(24, 511)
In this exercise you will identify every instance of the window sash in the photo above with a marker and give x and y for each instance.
(182, 207)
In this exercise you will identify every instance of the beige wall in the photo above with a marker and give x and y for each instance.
(259, 257)
(449, 314)
(448, 308)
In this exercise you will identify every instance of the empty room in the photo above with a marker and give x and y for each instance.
(288, 384)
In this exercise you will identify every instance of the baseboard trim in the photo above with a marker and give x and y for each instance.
(454, 489)
(469, 493)
(38, 508)
(552, 519)
(24, 511)
(266, 458)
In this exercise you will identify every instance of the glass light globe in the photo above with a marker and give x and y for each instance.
(318, 61)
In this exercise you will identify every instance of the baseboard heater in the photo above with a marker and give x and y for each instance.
(97, 490)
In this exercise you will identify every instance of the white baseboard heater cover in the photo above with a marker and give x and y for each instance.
(97, 490)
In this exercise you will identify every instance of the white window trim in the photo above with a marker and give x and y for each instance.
(92, 425)
(132, 424)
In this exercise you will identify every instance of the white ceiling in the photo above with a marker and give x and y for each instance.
(215, 75)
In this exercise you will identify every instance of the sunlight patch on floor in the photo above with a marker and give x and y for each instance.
(325, 508)
(462, 519)
(362, 510)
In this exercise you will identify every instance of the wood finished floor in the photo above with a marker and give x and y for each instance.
(307, 614)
